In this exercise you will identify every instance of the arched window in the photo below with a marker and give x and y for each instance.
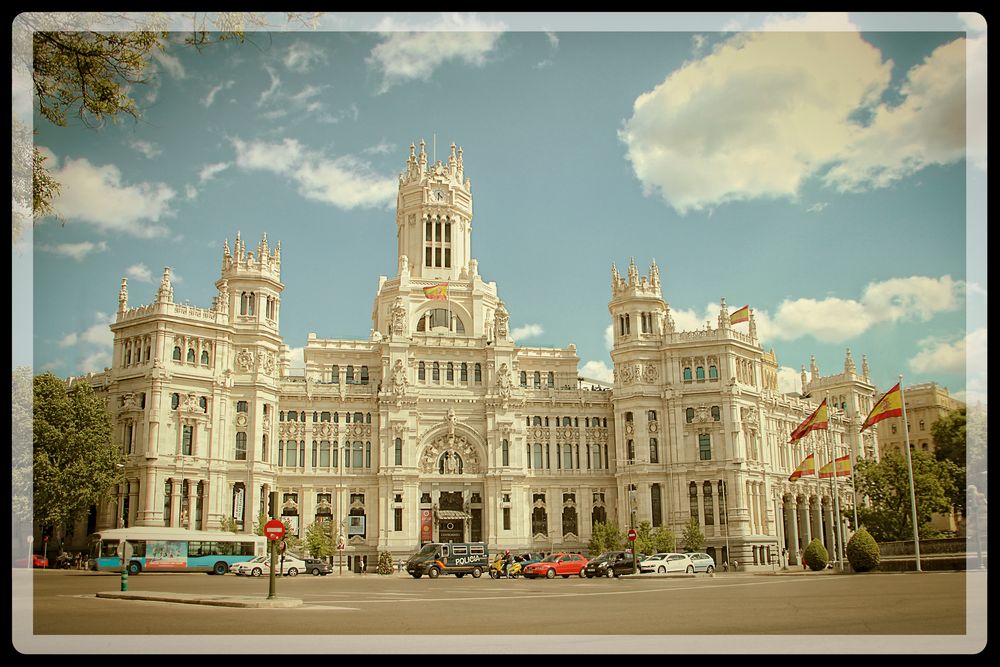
(128, 355)
(596, 458)
(251, 303)
(504, 453)
(537, 457)
(693, 500)
(566, 421)
(552, 379)
(655, 505)
(699, 373)
(536, 421)
(450, 372)
(421, 371)
(706, 492)
(203, 404)
(651, 416)
(241, 406)
(713, 373)
(630, 450)
(364, 375)
(436, 372)
(687, 373)
(357, 455)
(398, 448)
(436, 320)
(291, 453)
(464, 376)
(539, 522)
(538, 379)
(524, 378)
(177, 353)
(204, 357)
(704, 447)
(689, 415)
(654, 451)
(716, 413)
(324, 453)
(175, 401)
(567, 457)
(479, 374)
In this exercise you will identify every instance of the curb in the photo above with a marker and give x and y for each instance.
(216, 601)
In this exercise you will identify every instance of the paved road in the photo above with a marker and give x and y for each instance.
(374, 613)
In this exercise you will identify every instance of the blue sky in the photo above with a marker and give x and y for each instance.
(818, 176)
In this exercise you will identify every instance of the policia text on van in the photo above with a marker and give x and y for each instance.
(458, 558)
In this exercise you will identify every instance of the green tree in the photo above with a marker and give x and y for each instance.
(75, 465)
(318, 539)
(663, 540)
(292, 541)
(693, 539)
(863, 552)
(605, 537)
(816, 555)
(229, 525)
(885, 483)
(644, 538)
(258, 525)
(949, 435)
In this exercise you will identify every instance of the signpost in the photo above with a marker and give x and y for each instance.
(631, 538)
(274, 530)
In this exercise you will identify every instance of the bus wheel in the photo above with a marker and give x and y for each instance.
(134, 568)
(477, 572)
(433, 573)
(220, 568)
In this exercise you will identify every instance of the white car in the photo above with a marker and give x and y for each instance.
(702, 562)
(290, 566)
(667, 562)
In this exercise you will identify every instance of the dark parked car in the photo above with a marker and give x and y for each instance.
(624, 564)
(598, 567)
(317, 567)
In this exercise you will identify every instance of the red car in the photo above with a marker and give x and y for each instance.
(564, 565)
(36, 561)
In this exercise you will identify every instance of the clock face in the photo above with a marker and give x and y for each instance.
(437, 195)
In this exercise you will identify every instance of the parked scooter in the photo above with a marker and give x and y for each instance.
(497, 571)
(64, 561)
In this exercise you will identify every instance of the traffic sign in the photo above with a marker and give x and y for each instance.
(631, 534)
(274, 530)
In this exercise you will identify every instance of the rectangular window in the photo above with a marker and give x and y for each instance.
(506, 518)
(437, 257)
(187, 440)
(398, 519)
(704, 447)
(241, 446)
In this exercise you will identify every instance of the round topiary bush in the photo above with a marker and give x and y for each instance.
(815, 555)
(862, 551)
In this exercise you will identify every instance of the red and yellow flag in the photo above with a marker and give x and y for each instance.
(807, 467)
(819, 419)
(438, 292)
(890, 405)
(843, 465)
(741, 315)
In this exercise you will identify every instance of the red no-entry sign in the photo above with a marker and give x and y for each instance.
(274, 530)
(631, 535)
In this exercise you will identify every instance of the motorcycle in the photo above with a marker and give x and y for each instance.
(64, 561)
(497, 569)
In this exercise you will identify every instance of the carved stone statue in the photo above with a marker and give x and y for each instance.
(500, 319)
(398, 317)
(404, 265)
(399, 378)
(504, 384)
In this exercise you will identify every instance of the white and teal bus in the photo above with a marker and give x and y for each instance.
(172, 550)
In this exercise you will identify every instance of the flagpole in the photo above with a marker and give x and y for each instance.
(909, 470)
(854, 489)
(836, 491)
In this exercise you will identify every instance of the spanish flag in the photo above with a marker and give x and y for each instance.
(438, 292)
(819, 419)
(807, 467)
(741, 315)
(843, 465)
(890, 405)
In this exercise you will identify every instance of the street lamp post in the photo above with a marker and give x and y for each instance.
(725, 511)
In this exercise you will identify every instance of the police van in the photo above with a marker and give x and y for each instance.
(458, 558)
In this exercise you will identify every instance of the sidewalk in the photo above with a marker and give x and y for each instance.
(211, 600)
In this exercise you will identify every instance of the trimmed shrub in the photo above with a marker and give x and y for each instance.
(862, 551)
(815, 555)
(385, 563)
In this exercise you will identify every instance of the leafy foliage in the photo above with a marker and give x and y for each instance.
(229, 525)
(949, 434)
(886, 485)
(21, 446)
(816, 555)
(75, 465)
(693, 539)
(663, 540)
(318, 539)
(862, 551)
(605, 537)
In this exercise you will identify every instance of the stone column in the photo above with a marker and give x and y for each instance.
(793, 554)
(192, 502)
(779, 526)
(806, 522)
(149, 510)
(175, 501)
(133, 501)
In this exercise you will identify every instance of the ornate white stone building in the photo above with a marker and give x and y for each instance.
(440, 427)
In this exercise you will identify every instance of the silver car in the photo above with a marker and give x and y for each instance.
(667, 562)
(702, 562)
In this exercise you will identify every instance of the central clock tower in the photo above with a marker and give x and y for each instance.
(434, 217)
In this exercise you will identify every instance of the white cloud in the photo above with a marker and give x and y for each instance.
(209, 171)
(275, 83)
(609, 336)
(97, 195)
(938, 355)
(94, 363)
(817, 207)
(77, 251)
(147, 148)
(597, 370)
(139, 272)
(553, 39)
(210, 98)
(799, 94)
(190, 192)
(296, 357)
(404, 54)
(98, 333)
(346, 181)
(789, 380)
(301, 56)
(527, 331)
(169, 63)
(381, 148)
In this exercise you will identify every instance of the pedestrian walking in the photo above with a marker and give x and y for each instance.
(725, 566)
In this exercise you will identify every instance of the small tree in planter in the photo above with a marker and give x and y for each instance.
(816, 555)
(385, 563)
(863, 552)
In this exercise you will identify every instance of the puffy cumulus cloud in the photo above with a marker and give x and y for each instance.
(938, 355)
(77, 251)
(597, 370)
(609, 336)
(295, 356)
(98, 334)
(798, 96)
(789, 380)
(139, 272)
(526, 331)
(98, 195)
(835, 320)
(94, 363)
(410, 52)
(346, 181)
